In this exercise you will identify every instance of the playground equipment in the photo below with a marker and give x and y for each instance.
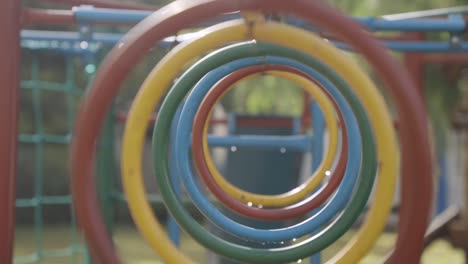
(250, 42)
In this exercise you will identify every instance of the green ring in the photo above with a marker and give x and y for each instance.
(253, 255)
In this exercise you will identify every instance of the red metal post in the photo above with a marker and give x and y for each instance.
(32, 16)
(10, 11)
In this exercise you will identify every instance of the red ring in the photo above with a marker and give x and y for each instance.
(299, 209)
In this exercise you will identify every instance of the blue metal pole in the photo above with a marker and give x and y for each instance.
(428, 13)
(107, 15)
(452, 24)
(299, 142)
(52, 39)
(96, 15)
(418, 46)
(442, 194)
(318, 126)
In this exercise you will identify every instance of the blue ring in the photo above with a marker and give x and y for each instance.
(314, 223)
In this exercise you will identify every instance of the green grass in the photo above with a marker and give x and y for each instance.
(134, 250)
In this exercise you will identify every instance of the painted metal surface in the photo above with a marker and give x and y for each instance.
(9, 78)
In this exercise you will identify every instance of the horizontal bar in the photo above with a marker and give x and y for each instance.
(428, 13)
(36, 139)
(89, 14)
(418, 46)
(66, 36)
(452, 24)
(107, 15)
(298, 143)
(66, 47)
(103, 3)
(33, 16)
(69, 40)
(47, 86)
(44, 200)
(112, 39)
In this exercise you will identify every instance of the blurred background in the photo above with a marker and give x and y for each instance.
(47, 225)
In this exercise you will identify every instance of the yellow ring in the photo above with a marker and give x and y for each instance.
(304, 189)
(161, 77)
